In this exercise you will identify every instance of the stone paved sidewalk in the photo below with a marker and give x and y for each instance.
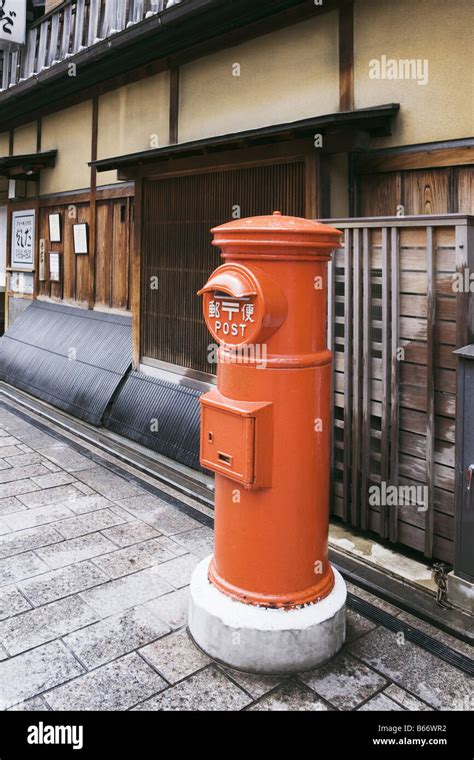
(94, 573)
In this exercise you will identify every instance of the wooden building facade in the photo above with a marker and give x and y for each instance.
(151, 122)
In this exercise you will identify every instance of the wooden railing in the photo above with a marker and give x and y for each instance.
(70, 28)
(396, 314)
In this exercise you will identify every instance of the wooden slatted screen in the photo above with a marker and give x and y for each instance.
(178, 213)
(394, 413)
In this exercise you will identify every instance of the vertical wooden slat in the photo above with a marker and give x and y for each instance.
(66, 31)
(174, 105)
(430, 391)
(78, 25)
(42, 46)
(356, 390)
(14, 60)
(346, 57)
(331, 313)
(395, 375)
(312, 164)
(29, 59)
(366, 378)
(93, 201)
(53, 40)
(137, 11)
(94, 17)
(348, 291)
(135, 275)
(6, 70)
(120, 15)
(384, 428)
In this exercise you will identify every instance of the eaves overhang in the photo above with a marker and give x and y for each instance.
(375, 121)
(27, 166)
(180, 33)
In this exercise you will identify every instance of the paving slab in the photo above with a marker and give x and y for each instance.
(48, 495)
(81, 504)
(207, 690)
(292, 697)
(357, 625)
(136, 557)
(344, 682)
(199, 541)
(120, 594)
(10, 505)
(31, 673)
(380, 703)
(108, 483)
(175, 656)
(118, 685)
(42, 624)
(19, 473)
(36, 704)
(415, 669)
(12, 602)
(58, 584)
(53, 479)
(75, 550)
(32, 518)
(178, 571)
(18, 488)
(133, 532)
(19, 567)
(80, 525)
(68, 459)
(405, 699)
(117, 635)
(159, 514)
(25, 540)
(255, 685)
(172, 608)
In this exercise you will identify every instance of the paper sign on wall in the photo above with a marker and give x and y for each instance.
(54, 271)
(23, 239)
(42, 260)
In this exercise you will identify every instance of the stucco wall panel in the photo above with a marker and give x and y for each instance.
(70, 133)
(24, 139)
(130, 117)
(287, 75)
(443, 108)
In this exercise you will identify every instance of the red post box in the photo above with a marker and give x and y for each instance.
(266, 433)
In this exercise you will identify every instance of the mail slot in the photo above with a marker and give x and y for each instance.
(230, 433)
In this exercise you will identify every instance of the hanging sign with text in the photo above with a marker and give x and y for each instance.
(12, 23)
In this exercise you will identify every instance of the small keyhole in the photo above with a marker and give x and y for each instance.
(210, 437)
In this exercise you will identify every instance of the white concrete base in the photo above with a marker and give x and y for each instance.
(263, 640)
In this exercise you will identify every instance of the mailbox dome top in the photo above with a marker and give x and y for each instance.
(275, 233)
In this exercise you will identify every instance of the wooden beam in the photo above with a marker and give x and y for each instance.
(39, 125)
(174, 106)
(429, 157)
(395, 375)
(93, 203)
(430, 391)
(135, 278)
(346, 57)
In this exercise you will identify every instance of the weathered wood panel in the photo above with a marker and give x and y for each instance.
(104, 280)
(406, 388)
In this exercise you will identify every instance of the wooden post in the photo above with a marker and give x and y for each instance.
(346, 57)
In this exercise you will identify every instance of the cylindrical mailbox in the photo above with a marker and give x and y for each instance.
(266, 429)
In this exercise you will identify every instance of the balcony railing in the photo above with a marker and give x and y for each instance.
(72, 27)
